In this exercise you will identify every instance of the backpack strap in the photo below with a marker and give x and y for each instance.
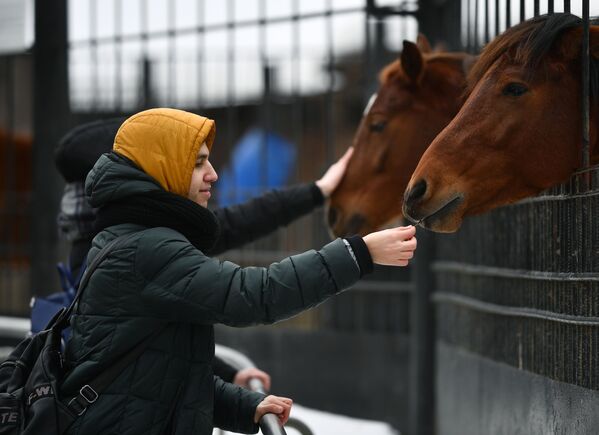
(62, 321)
(90, 392)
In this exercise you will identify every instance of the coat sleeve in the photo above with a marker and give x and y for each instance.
(181, 284)
(261, 216)
(235, 407)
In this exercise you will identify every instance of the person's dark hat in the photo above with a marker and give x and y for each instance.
(78, 150)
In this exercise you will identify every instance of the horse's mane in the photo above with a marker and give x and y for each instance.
(527, 44)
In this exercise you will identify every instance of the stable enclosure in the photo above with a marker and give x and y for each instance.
(492, 330)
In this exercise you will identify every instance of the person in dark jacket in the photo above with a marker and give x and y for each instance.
(154, 187)
(74, 156)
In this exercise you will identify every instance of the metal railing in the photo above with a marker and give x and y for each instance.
(269, 424)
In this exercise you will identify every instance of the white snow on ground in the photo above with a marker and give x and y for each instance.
(325, 423)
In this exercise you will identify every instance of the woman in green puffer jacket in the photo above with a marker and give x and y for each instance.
(155, 186)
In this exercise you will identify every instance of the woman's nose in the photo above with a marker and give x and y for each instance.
(211, 176)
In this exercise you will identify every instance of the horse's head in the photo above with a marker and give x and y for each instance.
(418, 95)
(519, 131)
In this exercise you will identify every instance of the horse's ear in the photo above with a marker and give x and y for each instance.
(423, 44)
(411, 61)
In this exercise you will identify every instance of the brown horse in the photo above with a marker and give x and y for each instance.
(418, 95)
(520, 130)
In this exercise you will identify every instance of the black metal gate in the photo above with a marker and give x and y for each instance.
(516, 317)
(517, 295)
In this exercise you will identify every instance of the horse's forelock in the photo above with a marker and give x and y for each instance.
(525, 44)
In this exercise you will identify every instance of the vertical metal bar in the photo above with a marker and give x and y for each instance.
(118, 56)
(296, 81)
(266, 78)
(200, 53)
(585, 84)
(486, 21)
(330, 135)
(522, 10)
(567, 7)
(496, 18)
(537, 8)
(51, 121)
(231, 124)
(93, 14)
(145, 85)
(468, 26)
(508, 14)
(422, 336)
(370, 71)
(171, 56)
(476, 11)
(550, 7)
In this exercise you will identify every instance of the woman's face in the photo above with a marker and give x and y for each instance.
(202, 178)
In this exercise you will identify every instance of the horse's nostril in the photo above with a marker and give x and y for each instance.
(332, 216)
(417, 191)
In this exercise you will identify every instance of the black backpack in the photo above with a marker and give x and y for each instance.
(30, 378)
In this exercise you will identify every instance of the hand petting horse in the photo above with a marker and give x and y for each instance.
(418, 95)
(520, 130)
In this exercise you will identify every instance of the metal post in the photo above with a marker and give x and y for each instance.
(422, 349)
(486, 21)
(51, 121)
(567, 6)
(330, 116)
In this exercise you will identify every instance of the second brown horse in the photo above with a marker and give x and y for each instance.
(418, 95)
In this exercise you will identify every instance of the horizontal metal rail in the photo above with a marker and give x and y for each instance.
(407, 8)
(499, 272)
(510, 311)
(14, 327)
(269, 423)
(230, 25)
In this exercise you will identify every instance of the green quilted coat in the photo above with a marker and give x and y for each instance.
(161, 279)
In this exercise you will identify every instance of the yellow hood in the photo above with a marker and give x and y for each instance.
(165, 143)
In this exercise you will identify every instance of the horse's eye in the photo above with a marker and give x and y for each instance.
(515, 89)
(377, 127)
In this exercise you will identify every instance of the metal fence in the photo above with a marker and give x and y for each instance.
(300, 70)
(518, 286)
(517, 292)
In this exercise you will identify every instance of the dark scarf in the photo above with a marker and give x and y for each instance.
(160, 208)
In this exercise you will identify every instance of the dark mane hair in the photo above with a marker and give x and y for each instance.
(527, 44)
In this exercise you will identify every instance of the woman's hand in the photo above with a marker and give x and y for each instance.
(332, 177)
(243, 377)
(280, 406)
(392, 247)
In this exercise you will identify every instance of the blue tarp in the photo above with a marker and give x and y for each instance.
(260, 161)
